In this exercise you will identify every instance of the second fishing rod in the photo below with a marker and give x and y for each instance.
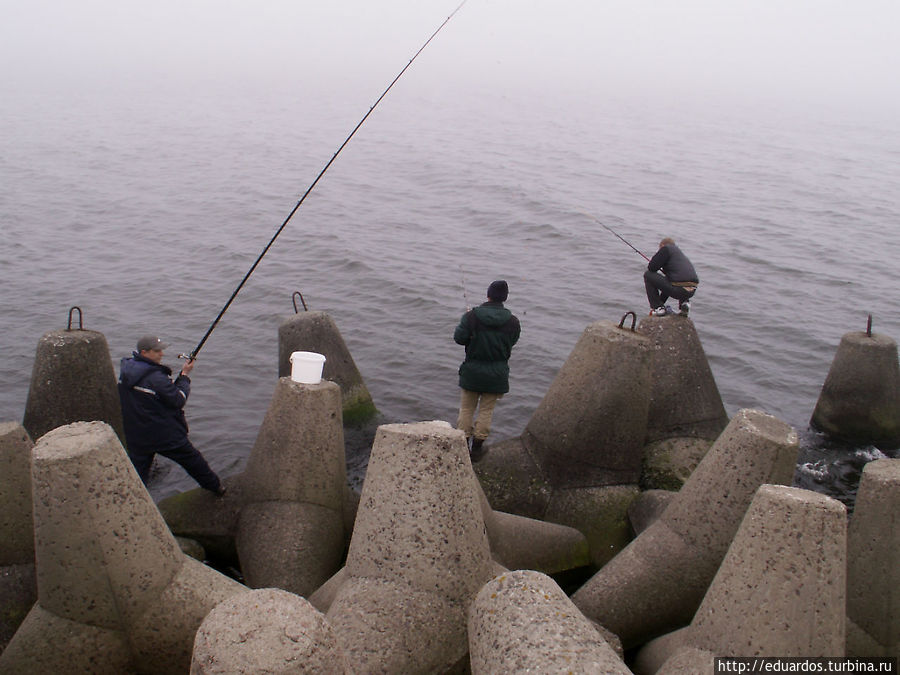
(212, 327)
(620, 237)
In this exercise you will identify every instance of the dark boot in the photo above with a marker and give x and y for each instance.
(478, 450)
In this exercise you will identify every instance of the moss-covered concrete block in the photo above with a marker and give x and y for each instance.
(669, 463)
(600, 513)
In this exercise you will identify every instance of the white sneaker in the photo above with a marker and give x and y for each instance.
(659, 311)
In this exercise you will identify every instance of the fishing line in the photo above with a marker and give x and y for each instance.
(193, 354)
(597, 220)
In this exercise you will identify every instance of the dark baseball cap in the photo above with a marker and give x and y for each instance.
(149, 342)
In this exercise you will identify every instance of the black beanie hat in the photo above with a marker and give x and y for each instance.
(498, 291)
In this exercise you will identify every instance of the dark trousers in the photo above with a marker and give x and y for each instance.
(660, 289)
(187, 456)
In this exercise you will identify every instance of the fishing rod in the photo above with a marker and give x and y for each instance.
(465, 294)
(193, 354)
(595, 219)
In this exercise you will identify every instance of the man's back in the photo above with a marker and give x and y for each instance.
(152, 404)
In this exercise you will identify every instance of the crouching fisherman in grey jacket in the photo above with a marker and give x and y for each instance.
(488, 333)
(670, 274)
(153, 414)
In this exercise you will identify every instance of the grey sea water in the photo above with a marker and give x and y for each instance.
(146, 209)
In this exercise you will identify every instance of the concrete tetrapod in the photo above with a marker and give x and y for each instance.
(524, 543)
(781, 587)
(18, 587)
(873, 565)
(284, 517)
(72, 380)
(266, 631)
(589, 428)
(578, 461)
(656, 583)
(317, 332)
(418, 555)
(685, 400)
(686, 412)
(860, 400)
(522, 622)
(516, 543)
(290, 532)
(111, 578)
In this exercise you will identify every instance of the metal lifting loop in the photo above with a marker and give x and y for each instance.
(302, 301)
(869, 327)
(633, 319)
(80, 318)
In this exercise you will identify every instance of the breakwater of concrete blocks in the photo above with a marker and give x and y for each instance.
(115, 592)
(779, 590)
(657, 582)
(435, 579)
(618, 399)
(422, 590)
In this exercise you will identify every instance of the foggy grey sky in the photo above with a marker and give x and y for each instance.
(821, 50)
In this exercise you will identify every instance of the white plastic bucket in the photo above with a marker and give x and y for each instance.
(306, 367)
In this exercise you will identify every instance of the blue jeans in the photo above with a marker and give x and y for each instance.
(187, 456)
(660, 289)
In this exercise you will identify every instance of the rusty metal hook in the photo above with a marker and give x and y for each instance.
(80, 318)
(869, 326)
(633, 320)
(302, 301)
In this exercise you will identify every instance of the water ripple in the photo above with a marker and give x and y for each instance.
(148, 212)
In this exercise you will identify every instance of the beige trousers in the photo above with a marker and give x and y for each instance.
(485, 404)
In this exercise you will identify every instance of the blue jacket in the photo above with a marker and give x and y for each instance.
(152, 405)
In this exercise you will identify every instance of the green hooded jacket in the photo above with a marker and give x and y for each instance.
(488, 333)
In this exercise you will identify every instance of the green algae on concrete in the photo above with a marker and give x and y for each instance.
(317, 332)
(209, 520)
(358, 407)
(668, 463)
(600, 513)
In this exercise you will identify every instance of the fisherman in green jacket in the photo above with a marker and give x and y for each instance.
(488, 333)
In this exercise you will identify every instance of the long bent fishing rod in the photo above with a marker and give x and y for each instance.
(597, 220)
(193, 354)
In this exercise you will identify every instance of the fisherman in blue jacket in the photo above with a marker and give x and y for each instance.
(488, 333)
(678, 279)
(153, 414)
